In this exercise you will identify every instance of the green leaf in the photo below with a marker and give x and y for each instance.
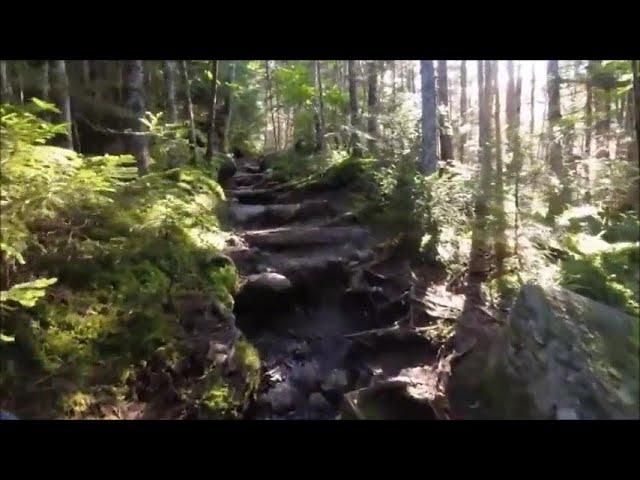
(27, 294)
(6, 338)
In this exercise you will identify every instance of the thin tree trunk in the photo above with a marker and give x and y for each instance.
(353, 108)
(372, 105)
(588, 118)
(211, 134)
(429, 118)
(446, 147)
(276, 138)
(500, 241)
(45, 85)
(6, 92)
(558, 199)
(463, 107)
(192, 123)
(135, 103)
(533, 99)
(61, 96)
(170, 89)
(636, 99)
(320, 144)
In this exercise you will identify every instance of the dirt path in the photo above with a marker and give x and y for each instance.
(333, 314)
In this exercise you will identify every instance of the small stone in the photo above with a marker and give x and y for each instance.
(281, 398)
(318, 402)
(566, 414)
(220, 359)
(336, 381)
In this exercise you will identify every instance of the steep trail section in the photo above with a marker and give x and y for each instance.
(327, 306)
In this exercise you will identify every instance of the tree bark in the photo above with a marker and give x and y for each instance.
(372, 104)
(6, 92)
(554, 115)
(636, 103)
(533, 99)
(45, 86)
(223, 109)
(353, 108)
(320, 144)
(211, 123)
(135, 103)
(446, 147)
(61, 98)
(276, 138)
(463, 107)
(170, 89)
(429, 116)
(192, 123)
(500, 241)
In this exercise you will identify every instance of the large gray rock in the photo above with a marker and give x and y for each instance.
(563, 356)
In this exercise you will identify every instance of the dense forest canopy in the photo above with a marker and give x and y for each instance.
(150, 207)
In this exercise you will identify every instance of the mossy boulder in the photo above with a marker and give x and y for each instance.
(563, 356)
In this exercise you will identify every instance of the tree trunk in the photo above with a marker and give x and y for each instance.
(353, 108)
(558, 198)
(500, 241)
(45, 85)
(636, 103)
(463, 106)
(372, 104)
(61, 98)
(446, 147)
(276, 138)
(134, 102)
(6, 92)
(170, 89)
(429, 116)
(588, 118)
(533, 99)
(223, 109)
(192, 123)
(321, 125)
(211, 123)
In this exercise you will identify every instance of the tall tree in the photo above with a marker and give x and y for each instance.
(137, 143)
(6, 92)
(446, 147)
(60, 93)
(211, 122)
(45, 83)
(192, 123)
(429, 115)
(320, 144)
(554, 115)
(372, 104)
(463, 106)
(223, 110)
(269, 95)
(636, 103)
(500, 237)
(170, 89)
(533, 99)
(353, 108)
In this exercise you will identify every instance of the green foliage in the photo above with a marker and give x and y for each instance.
(120, 247)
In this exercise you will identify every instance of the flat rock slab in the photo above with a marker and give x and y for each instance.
(277, 214)
(304, 236)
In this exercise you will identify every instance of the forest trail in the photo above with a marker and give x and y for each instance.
(328, 305)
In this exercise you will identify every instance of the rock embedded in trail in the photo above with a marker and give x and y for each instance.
(292, 237)
(319, 403)
(264, 291)
(278, 214)
(227, 169)
(563, 356)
